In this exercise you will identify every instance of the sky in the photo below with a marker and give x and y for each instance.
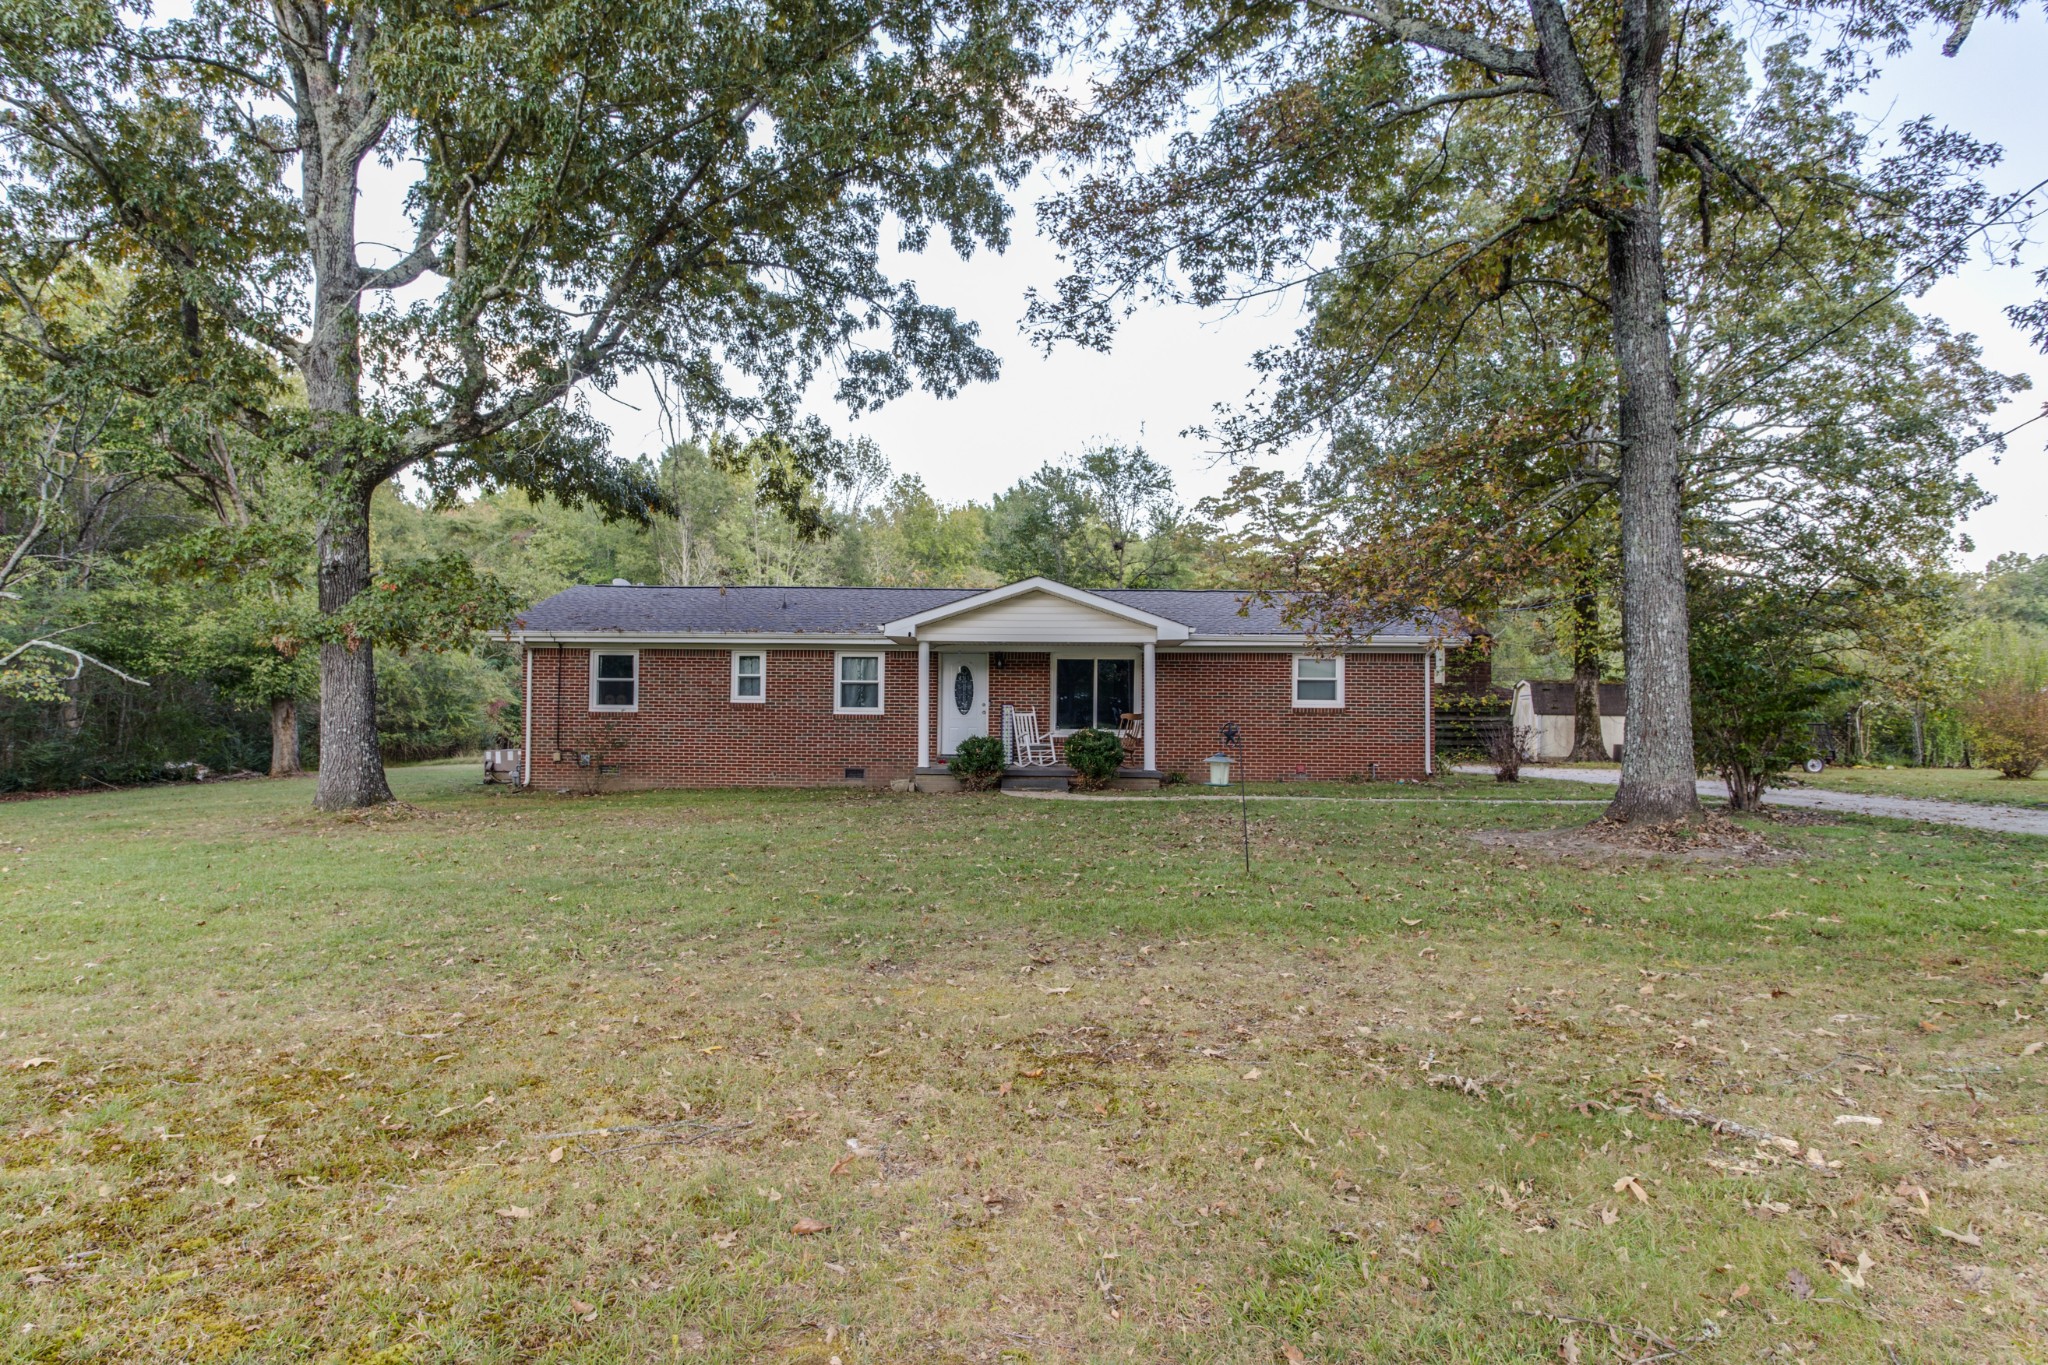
(1170, 366)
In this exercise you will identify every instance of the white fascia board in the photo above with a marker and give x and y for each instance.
(906, 628)
(685, 640)
(1404, 644)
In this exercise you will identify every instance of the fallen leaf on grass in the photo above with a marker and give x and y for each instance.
(554, 1156)
(1968, 1239)
(583, 1310)
(1569, 1350)
(31, 1063)
(515, 1211)
(1854, 1277)
(1867, 1120)
(1907, 1190)
(1634, 1187)
(808, 1227)
(2031, 1048)
(1608, 1218)
(1253, 1074)
(1293, 1353)
(1798, 1285)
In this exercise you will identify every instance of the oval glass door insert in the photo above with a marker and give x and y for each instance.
(963, 689)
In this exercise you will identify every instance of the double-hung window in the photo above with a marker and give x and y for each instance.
(1319, 680)
(749, 676)
(1093, 693)
(615, 680)
(859, 685)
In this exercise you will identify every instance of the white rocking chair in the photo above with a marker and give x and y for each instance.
(1032, 748)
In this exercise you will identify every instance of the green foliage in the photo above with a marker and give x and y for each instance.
(1094, 755)
(1760, 674)
(2010, 724)
(1108, 519)
(104, 731)
(2015, 589)
(978, 762)
(435, 705)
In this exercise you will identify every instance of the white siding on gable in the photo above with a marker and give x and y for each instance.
(1037, 618)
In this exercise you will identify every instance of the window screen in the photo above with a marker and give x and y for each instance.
(747, 676)
(1315, 679)
(860, 682)
(617, 683)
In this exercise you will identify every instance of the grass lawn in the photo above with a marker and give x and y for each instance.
(1447, 786)
(796, 1077)
(1982, 786)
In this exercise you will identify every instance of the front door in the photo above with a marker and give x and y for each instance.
(963, 699)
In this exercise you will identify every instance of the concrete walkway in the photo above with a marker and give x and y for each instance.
(1997, 819)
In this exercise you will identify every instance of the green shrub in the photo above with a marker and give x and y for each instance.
(1095, 755)
(978, 762)
(2011, 725)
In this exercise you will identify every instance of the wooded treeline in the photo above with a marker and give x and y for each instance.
(207, 649)
(1608, 319)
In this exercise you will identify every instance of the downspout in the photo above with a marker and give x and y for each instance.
(526, 750)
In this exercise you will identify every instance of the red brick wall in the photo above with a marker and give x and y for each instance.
(1380, 723)
(688, 733)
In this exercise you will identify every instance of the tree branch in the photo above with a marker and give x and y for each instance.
(1469, 47)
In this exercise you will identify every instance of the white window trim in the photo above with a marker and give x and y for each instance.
(881, 681)
(1052, 683)
(635, 655)
(762, 655)
(1294, 683)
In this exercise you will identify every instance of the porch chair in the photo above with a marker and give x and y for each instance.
(1033, 749)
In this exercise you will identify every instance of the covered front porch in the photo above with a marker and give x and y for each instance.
(1037, 662)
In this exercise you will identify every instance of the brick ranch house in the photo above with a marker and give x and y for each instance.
(630, 687)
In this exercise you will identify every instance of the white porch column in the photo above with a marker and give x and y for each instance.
(1150, 704)
(1428, 715)
(924, 703)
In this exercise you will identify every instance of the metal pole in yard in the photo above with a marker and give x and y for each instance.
(1233, 739)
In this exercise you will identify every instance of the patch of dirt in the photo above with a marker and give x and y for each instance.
(1710, 838)
(1779, 815)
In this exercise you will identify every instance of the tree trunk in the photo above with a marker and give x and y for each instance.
(351, 766)
(1919, 735)
(340, 120)
(1588, 744)
(284, 737)
(1658, 767)
(1745, 789)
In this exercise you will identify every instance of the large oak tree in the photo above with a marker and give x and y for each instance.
(697, 188)
(1445, 173)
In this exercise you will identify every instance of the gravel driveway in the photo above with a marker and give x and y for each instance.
(1997, 819)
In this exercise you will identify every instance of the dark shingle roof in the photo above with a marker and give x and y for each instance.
(733, 611)
(1214, 611)
(855, 611)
